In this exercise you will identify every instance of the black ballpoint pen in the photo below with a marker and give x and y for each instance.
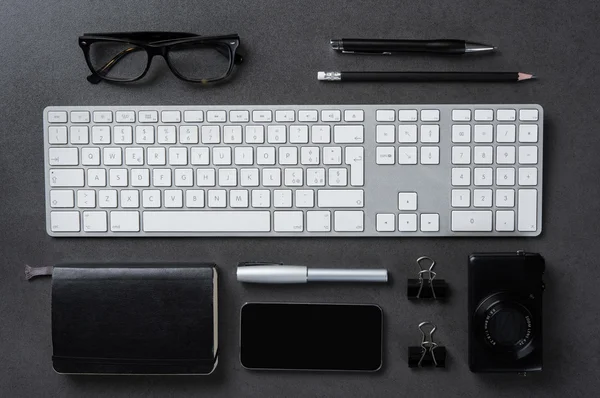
(385, 46)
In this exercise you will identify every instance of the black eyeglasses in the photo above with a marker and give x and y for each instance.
(126, 57)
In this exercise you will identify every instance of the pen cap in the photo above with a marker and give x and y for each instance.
(347, 275)
(272, 274)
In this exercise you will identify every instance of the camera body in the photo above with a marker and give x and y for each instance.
(505, 312)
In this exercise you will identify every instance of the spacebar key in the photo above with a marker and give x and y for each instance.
(207, 221)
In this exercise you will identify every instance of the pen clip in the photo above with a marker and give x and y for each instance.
(367, 52)
(253, 263)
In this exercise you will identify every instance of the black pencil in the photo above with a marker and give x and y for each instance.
(424, 76)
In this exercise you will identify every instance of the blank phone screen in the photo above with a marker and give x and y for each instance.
(311, 336)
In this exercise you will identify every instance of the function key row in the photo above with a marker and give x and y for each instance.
(458, 115)
(213, 116)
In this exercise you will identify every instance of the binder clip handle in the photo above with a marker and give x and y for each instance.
(427, 343)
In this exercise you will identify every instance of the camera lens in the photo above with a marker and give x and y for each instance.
(508, 327)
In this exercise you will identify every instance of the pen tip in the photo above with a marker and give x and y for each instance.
(526, 76)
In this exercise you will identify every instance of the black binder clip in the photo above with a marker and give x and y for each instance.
(426, 286)
(429, 354)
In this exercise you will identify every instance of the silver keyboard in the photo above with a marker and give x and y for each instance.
(294, 170)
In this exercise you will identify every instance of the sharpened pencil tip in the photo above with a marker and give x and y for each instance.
(526, 76)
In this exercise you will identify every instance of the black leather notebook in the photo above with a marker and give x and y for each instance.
(134, 318)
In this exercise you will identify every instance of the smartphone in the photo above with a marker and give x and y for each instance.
(300, 336)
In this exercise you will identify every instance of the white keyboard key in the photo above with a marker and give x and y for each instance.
(249, 177)
(305, 198)
(505, 198)
(461, 133)
(288, 221)
(222, 156)
(285, 116)
(80, 117)
(148, 116)
(407, 133)
(239, 116)
(528, 176)
(386, 222)
(170, 116)
(125, 116)
(505, 133)
(318, 221)
(216, 116)
(460, 155)
(461, 176)
(528, 133)
(103, 117)
(156, 156)
(96, 177)
(298, 134)
(238, 198)
(505, 176)
(140, 177)
(483, 176)
(430, 222)
(293, 177)
(320, 134)
(484, 115)
(505, 220)
(430, 115)
(207, 221)
(348, 221)
(184, 177)
(338, 177)
(407, 222)
(151, 198)
(194, 198)
(100, 135)
(461, 115)
(461, 198)
(107, 198)
(484, 133)
(244, 155)
(472, 221)
(288, 155)
(130, 198)
(315, 177)
(94, 221)
(340, 198)
(527, 210)
(262, 116)
(112, 156)
(173, 198)
(271, 177)
(528, 115)
(506, 115)
(355, 159)
(385, 115)
(189, 134)
(62, 198)
(430, 133)
(331, 155)
(199, 156)
(483, 155)
(331, 115)
(86, 198)
(211, 134)
(276, 134)
(124, 135)
(348, 134)
(232, 134)
(385, 133)
(178, 156)
(407, 155)
(430, 155)
(385, 155)
(193, 116)
(161, 177)
(307, 116)
(117, 177)
(57, 117)
(227, 177)
(265, 155)
(407, 201)
(90, 156)
(64, 221)
(63, 156)
(261, 198)
(57, 135)
(407, 115)
(124, 221)
(217, 198)
(482, 198)
(255, 134)
(505, 154)
(308, 155)
(79, 135)
(528, 155)
(354, 115)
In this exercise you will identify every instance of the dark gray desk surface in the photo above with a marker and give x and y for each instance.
(286, 43)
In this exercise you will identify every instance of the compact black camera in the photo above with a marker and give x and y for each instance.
(505, 312)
